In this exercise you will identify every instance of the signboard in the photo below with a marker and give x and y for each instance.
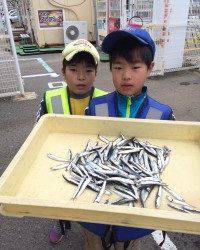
(50, 19)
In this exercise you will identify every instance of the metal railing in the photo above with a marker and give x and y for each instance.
(10, 77)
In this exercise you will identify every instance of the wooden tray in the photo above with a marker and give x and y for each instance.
(29, 187)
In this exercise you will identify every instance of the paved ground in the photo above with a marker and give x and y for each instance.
(180, 90)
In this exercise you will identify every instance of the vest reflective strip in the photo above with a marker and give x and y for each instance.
(154, 113)
(98, 92)
(56, 103)
(101, 109)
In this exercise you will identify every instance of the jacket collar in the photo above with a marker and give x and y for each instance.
(80, 96)
(124, 98)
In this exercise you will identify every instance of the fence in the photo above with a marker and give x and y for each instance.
(191, 57)
(10, 77)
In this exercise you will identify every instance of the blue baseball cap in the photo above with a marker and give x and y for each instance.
(139, 34)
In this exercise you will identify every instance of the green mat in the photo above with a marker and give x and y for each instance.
(104, 57)
(32, 49)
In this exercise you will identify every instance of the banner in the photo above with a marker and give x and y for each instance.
(49, 19)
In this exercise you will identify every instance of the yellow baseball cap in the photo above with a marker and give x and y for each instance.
(77, 46)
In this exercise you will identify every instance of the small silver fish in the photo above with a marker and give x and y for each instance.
(129, 151)
(103, 139)
(119, 201)
(177, 207)
(100, 194)
(122, 194)
(173, 200)
(71, 180)
(190, 209)
(144, 194)
(56, 158)
(87, 146)
(60, 166)
(135, 192)
(69, 154)
(176, 196)
(83, 187)
(158, 197)
(131, 204)
(106, 152)
(125, 191)
(122, 180)
(183, 205)
(79, 187)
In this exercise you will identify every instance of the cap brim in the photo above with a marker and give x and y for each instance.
(111, 39)
(73, 53)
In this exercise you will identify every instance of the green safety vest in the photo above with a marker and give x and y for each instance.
(57, 100)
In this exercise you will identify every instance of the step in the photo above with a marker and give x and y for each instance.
(29, 46)
(104, 57)
(31, 51)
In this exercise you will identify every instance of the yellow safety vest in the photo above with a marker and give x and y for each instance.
(57, 100)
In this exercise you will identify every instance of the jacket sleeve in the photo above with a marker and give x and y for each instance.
(42, 110)
(172, 116)
(90, 108)
(88, 111)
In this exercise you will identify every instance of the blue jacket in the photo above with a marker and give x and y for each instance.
(149, 108)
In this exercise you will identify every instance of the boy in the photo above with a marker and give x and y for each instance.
(131, 52)
(79, 67)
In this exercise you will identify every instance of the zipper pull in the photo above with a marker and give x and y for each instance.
(128, 107)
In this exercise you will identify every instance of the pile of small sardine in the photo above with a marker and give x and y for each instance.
(129, 168)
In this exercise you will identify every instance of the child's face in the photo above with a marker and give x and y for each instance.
(129, 78)
(79, 77)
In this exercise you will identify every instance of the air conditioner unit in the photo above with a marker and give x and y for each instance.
(74, 30)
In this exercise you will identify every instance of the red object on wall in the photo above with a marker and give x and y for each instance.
(113, 24)
(133, 22)
(135, 25)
